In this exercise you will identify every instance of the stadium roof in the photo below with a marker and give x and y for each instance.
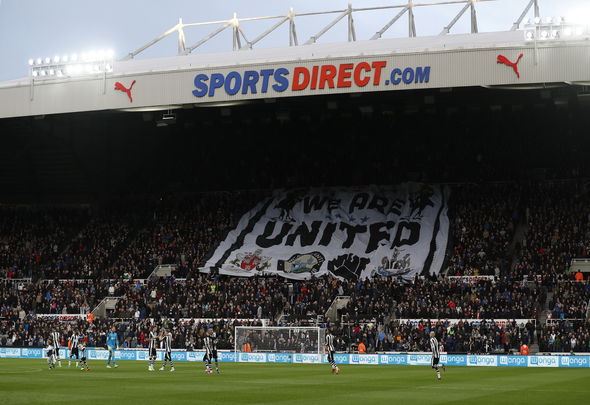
(364, 48)
(551, 51)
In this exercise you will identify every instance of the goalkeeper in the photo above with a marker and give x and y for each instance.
(112, 344)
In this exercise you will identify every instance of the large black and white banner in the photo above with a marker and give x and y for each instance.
(347, 232)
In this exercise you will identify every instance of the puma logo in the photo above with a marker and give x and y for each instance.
(514, 65)
(119, 86)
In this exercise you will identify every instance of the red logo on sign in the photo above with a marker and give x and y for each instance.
(514, 65)
(119, 86)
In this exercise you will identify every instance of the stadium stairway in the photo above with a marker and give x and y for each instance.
(541, 319)
(339, 302)
(107, 303)
(162, 270)
(519, 234)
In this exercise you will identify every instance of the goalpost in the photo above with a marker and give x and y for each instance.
(279, 339)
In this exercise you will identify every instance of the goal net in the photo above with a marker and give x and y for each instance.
(279, 339)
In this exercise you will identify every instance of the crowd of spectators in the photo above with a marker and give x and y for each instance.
(461, 337)
(91, 252)
(482, 229)
(371, 300)
(182, 231)
(33, 237)
(124, 238)
(558, 230)
(565, 336)
(204, 297)
(187, 333)
(570, 300)
(442, 299)
(49, 297)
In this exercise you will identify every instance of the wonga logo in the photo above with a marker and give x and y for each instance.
(455, 360)
(543, 361)
(512, 361)
(574, 361)
(125, 355)
(482, 361)
(253, 357)
(394, 359)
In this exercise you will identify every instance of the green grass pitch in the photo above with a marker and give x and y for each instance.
(28, 381)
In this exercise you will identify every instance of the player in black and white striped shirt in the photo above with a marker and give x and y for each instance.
(329, 346)
(210, 346)
(152, 349)
(56, 336)
(166, 337)
(82, 350)
(73, 343)
(435, 348)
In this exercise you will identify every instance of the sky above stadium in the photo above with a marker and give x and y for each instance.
(37, 28)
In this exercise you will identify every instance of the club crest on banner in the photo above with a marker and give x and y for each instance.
(398, 265)
(251, 261)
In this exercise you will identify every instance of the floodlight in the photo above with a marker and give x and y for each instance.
(31, 61)
(56, 59)
(109, 54)
(530, 35)
(47, 60)
(74, 57)
(64, 58)
(39, 61)
(544, 35)
(537, 20)
(43, 72)
(35, 73)
(567, 32)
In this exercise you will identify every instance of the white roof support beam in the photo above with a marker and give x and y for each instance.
(531, 3)
(474, 28)
(181, 38)
(292, 31)
(411, 19)
(207, 38)
(315, 37)
(154, 41)
(399, 15)
(249, 45)
(351, 31)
